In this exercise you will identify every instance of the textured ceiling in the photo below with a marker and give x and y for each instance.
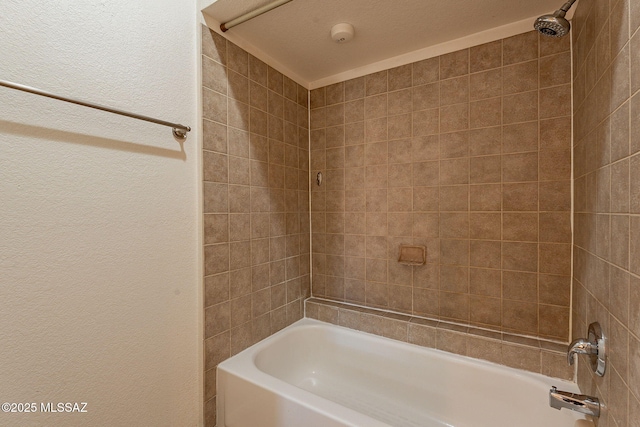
(297, 34)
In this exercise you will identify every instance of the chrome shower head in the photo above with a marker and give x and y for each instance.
(554, 25)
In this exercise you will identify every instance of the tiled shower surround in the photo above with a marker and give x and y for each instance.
(606, 285)
(256, 203)
(467, 154)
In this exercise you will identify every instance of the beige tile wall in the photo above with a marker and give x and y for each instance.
(607, 198)
(256, 203)
(468, 154)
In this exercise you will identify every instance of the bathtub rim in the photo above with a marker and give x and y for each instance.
(309, 322)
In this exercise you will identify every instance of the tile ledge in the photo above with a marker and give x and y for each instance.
(548, 345)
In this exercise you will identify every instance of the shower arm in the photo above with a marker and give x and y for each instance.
(565, 7)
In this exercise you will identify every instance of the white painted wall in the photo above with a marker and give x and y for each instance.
(99, 228)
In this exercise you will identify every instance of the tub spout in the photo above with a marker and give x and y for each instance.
(576, 402)
(580, 346)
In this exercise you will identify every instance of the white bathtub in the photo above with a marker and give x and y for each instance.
(314, 374)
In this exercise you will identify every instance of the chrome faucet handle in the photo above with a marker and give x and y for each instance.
(580, 346)
(594, 347)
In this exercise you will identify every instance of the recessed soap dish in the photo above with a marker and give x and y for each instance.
(412, 255)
